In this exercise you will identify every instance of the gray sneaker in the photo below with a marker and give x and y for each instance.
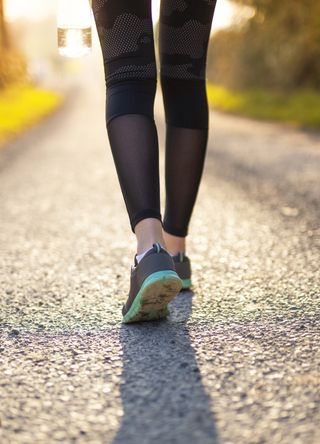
(154, 283)
(183, 269)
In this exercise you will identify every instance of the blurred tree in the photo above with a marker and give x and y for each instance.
(13, 68)
(4, 41)
(277, 48)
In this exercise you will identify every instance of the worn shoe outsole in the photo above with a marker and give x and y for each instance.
(151, 302)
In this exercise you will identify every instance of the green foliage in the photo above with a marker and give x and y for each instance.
(299, 108)
(278, 48)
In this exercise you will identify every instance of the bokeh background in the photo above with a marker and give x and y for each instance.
(263, 61)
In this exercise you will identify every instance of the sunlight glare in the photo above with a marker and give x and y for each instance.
(31, 9)
(38, 9)
(226, 12)
(223, 16)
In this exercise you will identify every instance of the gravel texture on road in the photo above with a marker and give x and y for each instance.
(237, 361)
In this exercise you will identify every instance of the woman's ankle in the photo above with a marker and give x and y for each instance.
(174, 244)
(148, 231)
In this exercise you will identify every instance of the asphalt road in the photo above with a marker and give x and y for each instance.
(238, 359)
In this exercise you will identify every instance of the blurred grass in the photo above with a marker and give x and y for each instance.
(301, 108)
(23, 106)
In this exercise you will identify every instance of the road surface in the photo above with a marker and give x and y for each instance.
(237, 362)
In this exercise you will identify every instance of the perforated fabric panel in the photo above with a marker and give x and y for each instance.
(97, 4)
(174, 5)
(184, 34)
(133, 72)
(126, 36)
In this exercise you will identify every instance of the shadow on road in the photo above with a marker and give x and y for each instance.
(162, 394)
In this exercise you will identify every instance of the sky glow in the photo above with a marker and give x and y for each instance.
(39, 9)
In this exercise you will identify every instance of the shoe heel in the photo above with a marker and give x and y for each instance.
(152, 301)
(186, 284)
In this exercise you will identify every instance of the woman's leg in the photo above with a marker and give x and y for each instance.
(184, 34)
(126, 37)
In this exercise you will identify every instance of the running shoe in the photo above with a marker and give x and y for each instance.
(154, 283)
(183, 269)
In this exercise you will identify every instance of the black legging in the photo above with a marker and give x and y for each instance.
(126, 37)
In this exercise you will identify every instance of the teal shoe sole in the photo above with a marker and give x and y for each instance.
(186, 284)
(152, 301)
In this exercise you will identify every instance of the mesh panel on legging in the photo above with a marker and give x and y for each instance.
(126, 37)
(133, 140)
(184, 35)
(185, 154)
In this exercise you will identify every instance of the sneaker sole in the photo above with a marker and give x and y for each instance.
(186, 284)
(152, 301)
